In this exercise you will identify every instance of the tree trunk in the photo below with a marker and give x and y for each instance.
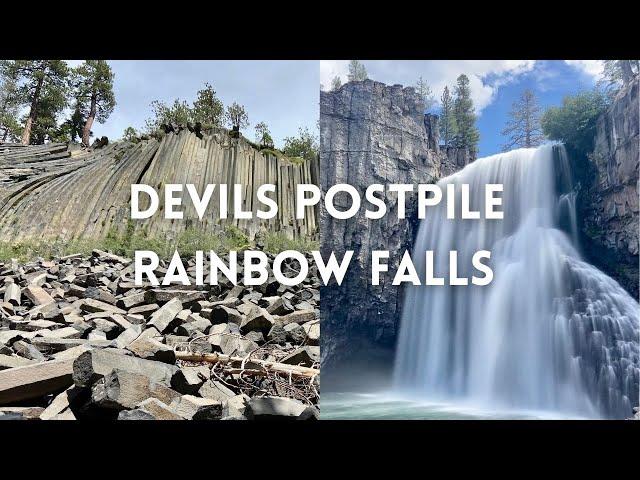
(627, 71)
(86, 131)
(33, 113)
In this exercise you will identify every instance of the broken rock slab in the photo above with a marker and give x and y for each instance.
(121, 390)
(60, 403)
(165, 316)
(158, 410)
(148, 345)
(197, 408)
(94, 364)
(37, 295)
(13, 361)
(34, 381)
(272, 408)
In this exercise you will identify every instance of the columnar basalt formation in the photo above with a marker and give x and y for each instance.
(47, 191)
(371, 133)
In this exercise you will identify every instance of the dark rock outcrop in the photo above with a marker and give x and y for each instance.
(609, 205)
(371, 133)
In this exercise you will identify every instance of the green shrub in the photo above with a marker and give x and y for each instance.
(574, 123)
(127, 242)
(275, 242)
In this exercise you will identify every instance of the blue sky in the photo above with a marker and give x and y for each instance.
(282, 93)
(495, 84)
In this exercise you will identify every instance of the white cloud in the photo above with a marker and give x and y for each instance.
(592, 68)
(485, 76)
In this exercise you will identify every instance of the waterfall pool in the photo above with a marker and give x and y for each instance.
(388, 405)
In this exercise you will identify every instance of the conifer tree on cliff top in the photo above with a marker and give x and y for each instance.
(93, 90)
(426, 94)
(523, 128)
(467, 135)
(447, 118)
(40, 82)
(357, 71)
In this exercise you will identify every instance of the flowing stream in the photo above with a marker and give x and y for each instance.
(551, 333)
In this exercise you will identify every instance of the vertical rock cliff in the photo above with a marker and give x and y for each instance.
(371, 133)
(609, 205)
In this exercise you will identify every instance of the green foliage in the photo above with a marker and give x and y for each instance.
(127, 242)
(276, 242)
(263, 135)
(43, 85)
(467, 135)
(620, 72)
(424, 90)
(10, 103)
(236, 117)
(357, 71)
(71, 129)
(305, 145)
(207, 108)
(45, 127)
(178, 112)
(336, 83)
(574, 123)
(92, 84)
(447, 118)
(130, 134)
(523, 128)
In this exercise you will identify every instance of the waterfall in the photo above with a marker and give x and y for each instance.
(550, 333)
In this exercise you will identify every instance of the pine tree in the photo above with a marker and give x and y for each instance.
(207, 108)
(447, 118)
(305, 145)
(357, 71)
(40, 81)
(45, 126)
(93, 91)
(236, 116)
(9, 106)
(179, 112)
(336, 83)
(523, 128)
(72, 128)
(620, 71)
(263, 135)
(130, 134)
(467, 135)
(424, 90)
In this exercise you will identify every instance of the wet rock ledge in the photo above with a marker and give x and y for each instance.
(78, 340)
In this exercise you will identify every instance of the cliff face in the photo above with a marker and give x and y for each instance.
(49, 192)
(610, 204)
(370, 133)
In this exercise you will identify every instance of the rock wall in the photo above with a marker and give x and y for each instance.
(48, 191)
(370, 133)
(610, 204)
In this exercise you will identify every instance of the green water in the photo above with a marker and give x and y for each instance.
(386, 406)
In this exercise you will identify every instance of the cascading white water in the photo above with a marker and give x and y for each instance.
(551, 332)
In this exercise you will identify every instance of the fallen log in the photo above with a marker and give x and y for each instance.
(293, 370)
